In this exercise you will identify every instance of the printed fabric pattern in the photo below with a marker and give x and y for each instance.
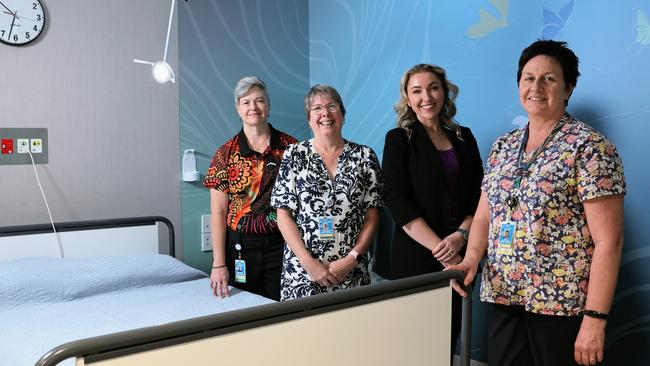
(248, 177)
(304, 187)
(548, 273)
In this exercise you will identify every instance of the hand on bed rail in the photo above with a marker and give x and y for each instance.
(470, 269)
(219, 281)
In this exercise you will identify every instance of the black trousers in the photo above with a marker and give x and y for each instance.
(517, 337)
(263, 256)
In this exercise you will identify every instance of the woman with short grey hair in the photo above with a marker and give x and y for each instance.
(327, 196)
(247, 244)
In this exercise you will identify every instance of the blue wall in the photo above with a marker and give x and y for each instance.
(478, 43)
(362, 47)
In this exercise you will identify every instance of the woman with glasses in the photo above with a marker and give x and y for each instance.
(247, 245)
(433, 173)
(327, 196)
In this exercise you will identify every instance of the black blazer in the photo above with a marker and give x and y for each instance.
(415, 185)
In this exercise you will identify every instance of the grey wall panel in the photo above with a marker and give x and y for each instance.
(113, 131)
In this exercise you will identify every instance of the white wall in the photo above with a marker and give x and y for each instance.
(113, 131)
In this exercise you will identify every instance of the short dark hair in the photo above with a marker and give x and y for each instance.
(557, 50)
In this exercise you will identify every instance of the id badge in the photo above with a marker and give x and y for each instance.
(240, 271)
(506, 237)
(326, 228)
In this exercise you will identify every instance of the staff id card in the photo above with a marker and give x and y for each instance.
(240, 271)
(326, 228)
(506, 238)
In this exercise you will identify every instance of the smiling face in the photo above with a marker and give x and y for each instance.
(325, 116)
(253, 107)
(542, 89)
(426, 96)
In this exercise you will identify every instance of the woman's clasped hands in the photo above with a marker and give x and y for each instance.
(328, 275)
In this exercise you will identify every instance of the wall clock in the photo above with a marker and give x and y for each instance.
(21, 21)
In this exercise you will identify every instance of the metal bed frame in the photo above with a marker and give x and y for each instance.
(139, 340)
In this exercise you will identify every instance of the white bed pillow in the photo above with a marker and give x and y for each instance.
(38, 280)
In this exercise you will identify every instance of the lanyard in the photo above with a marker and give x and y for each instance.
(522, 168)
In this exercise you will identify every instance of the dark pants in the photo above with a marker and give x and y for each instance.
(520, 338)
(263, 256)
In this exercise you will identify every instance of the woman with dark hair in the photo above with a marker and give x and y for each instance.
(432, 171)
(557, 185)
(327, 196)
(247, 244)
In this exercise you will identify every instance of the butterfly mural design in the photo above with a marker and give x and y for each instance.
(488, 22)
(554, 23)
(642, 29)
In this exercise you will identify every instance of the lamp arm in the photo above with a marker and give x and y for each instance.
(169, 28)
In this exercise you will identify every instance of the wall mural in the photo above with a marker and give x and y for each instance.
(362, 47)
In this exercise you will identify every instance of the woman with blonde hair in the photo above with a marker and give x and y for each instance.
(432, 178)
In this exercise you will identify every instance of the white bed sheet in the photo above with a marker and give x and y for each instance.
(28, 331)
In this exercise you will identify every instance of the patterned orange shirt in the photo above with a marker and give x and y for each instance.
(248, 177)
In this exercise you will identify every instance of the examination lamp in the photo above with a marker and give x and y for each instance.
(161, 70)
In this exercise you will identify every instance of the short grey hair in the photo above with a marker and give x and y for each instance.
(323, 89)
(245, 84)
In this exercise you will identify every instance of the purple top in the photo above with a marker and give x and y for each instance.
(450, 162)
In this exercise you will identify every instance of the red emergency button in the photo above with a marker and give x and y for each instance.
(7, 146)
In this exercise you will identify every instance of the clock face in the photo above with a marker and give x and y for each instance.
(21, 21)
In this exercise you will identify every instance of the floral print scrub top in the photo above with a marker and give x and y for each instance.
(304, 187)
(548, 270)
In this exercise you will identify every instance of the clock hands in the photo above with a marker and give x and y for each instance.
(12, 26)
(9, 10)
(12, 20)
(19, 32)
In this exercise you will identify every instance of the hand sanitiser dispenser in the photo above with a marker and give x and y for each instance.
(190, 174)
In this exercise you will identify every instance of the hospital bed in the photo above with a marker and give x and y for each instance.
(389, 323)
(111, 280)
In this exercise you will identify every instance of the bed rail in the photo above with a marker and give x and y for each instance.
(126, 343)
(91, 225)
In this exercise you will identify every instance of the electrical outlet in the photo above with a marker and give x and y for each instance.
(19, 143)
(23, 146)
(205, 224)
(36, 146)
(206, 242)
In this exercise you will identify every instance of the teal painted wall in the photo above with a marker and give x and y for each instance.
(219, 43)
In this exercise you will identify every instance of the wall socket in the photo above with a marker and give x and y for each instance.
(205, 224)
(17, 143)
(206, 242)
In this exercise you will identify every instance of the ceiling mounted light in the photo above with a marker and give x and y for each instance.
(161, 70)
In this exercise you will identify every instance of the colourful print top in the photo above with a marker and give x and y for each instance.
(547, 269)
(248, 177)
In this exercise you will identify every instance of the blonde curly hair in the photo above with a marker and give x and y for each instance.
(406, 116)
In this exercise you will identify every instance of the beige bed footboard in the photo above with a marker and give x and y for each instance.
(404, 322)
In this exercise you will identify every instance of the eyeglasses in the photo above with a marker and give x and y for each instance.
(318, 109)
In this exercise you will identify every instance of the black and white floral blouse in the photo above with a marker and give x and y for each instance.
(304, 187)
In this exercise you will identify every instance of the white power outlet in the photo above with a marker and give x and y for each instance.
(205, 224)
(206, 242)
(36, 146)
(23, 146)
